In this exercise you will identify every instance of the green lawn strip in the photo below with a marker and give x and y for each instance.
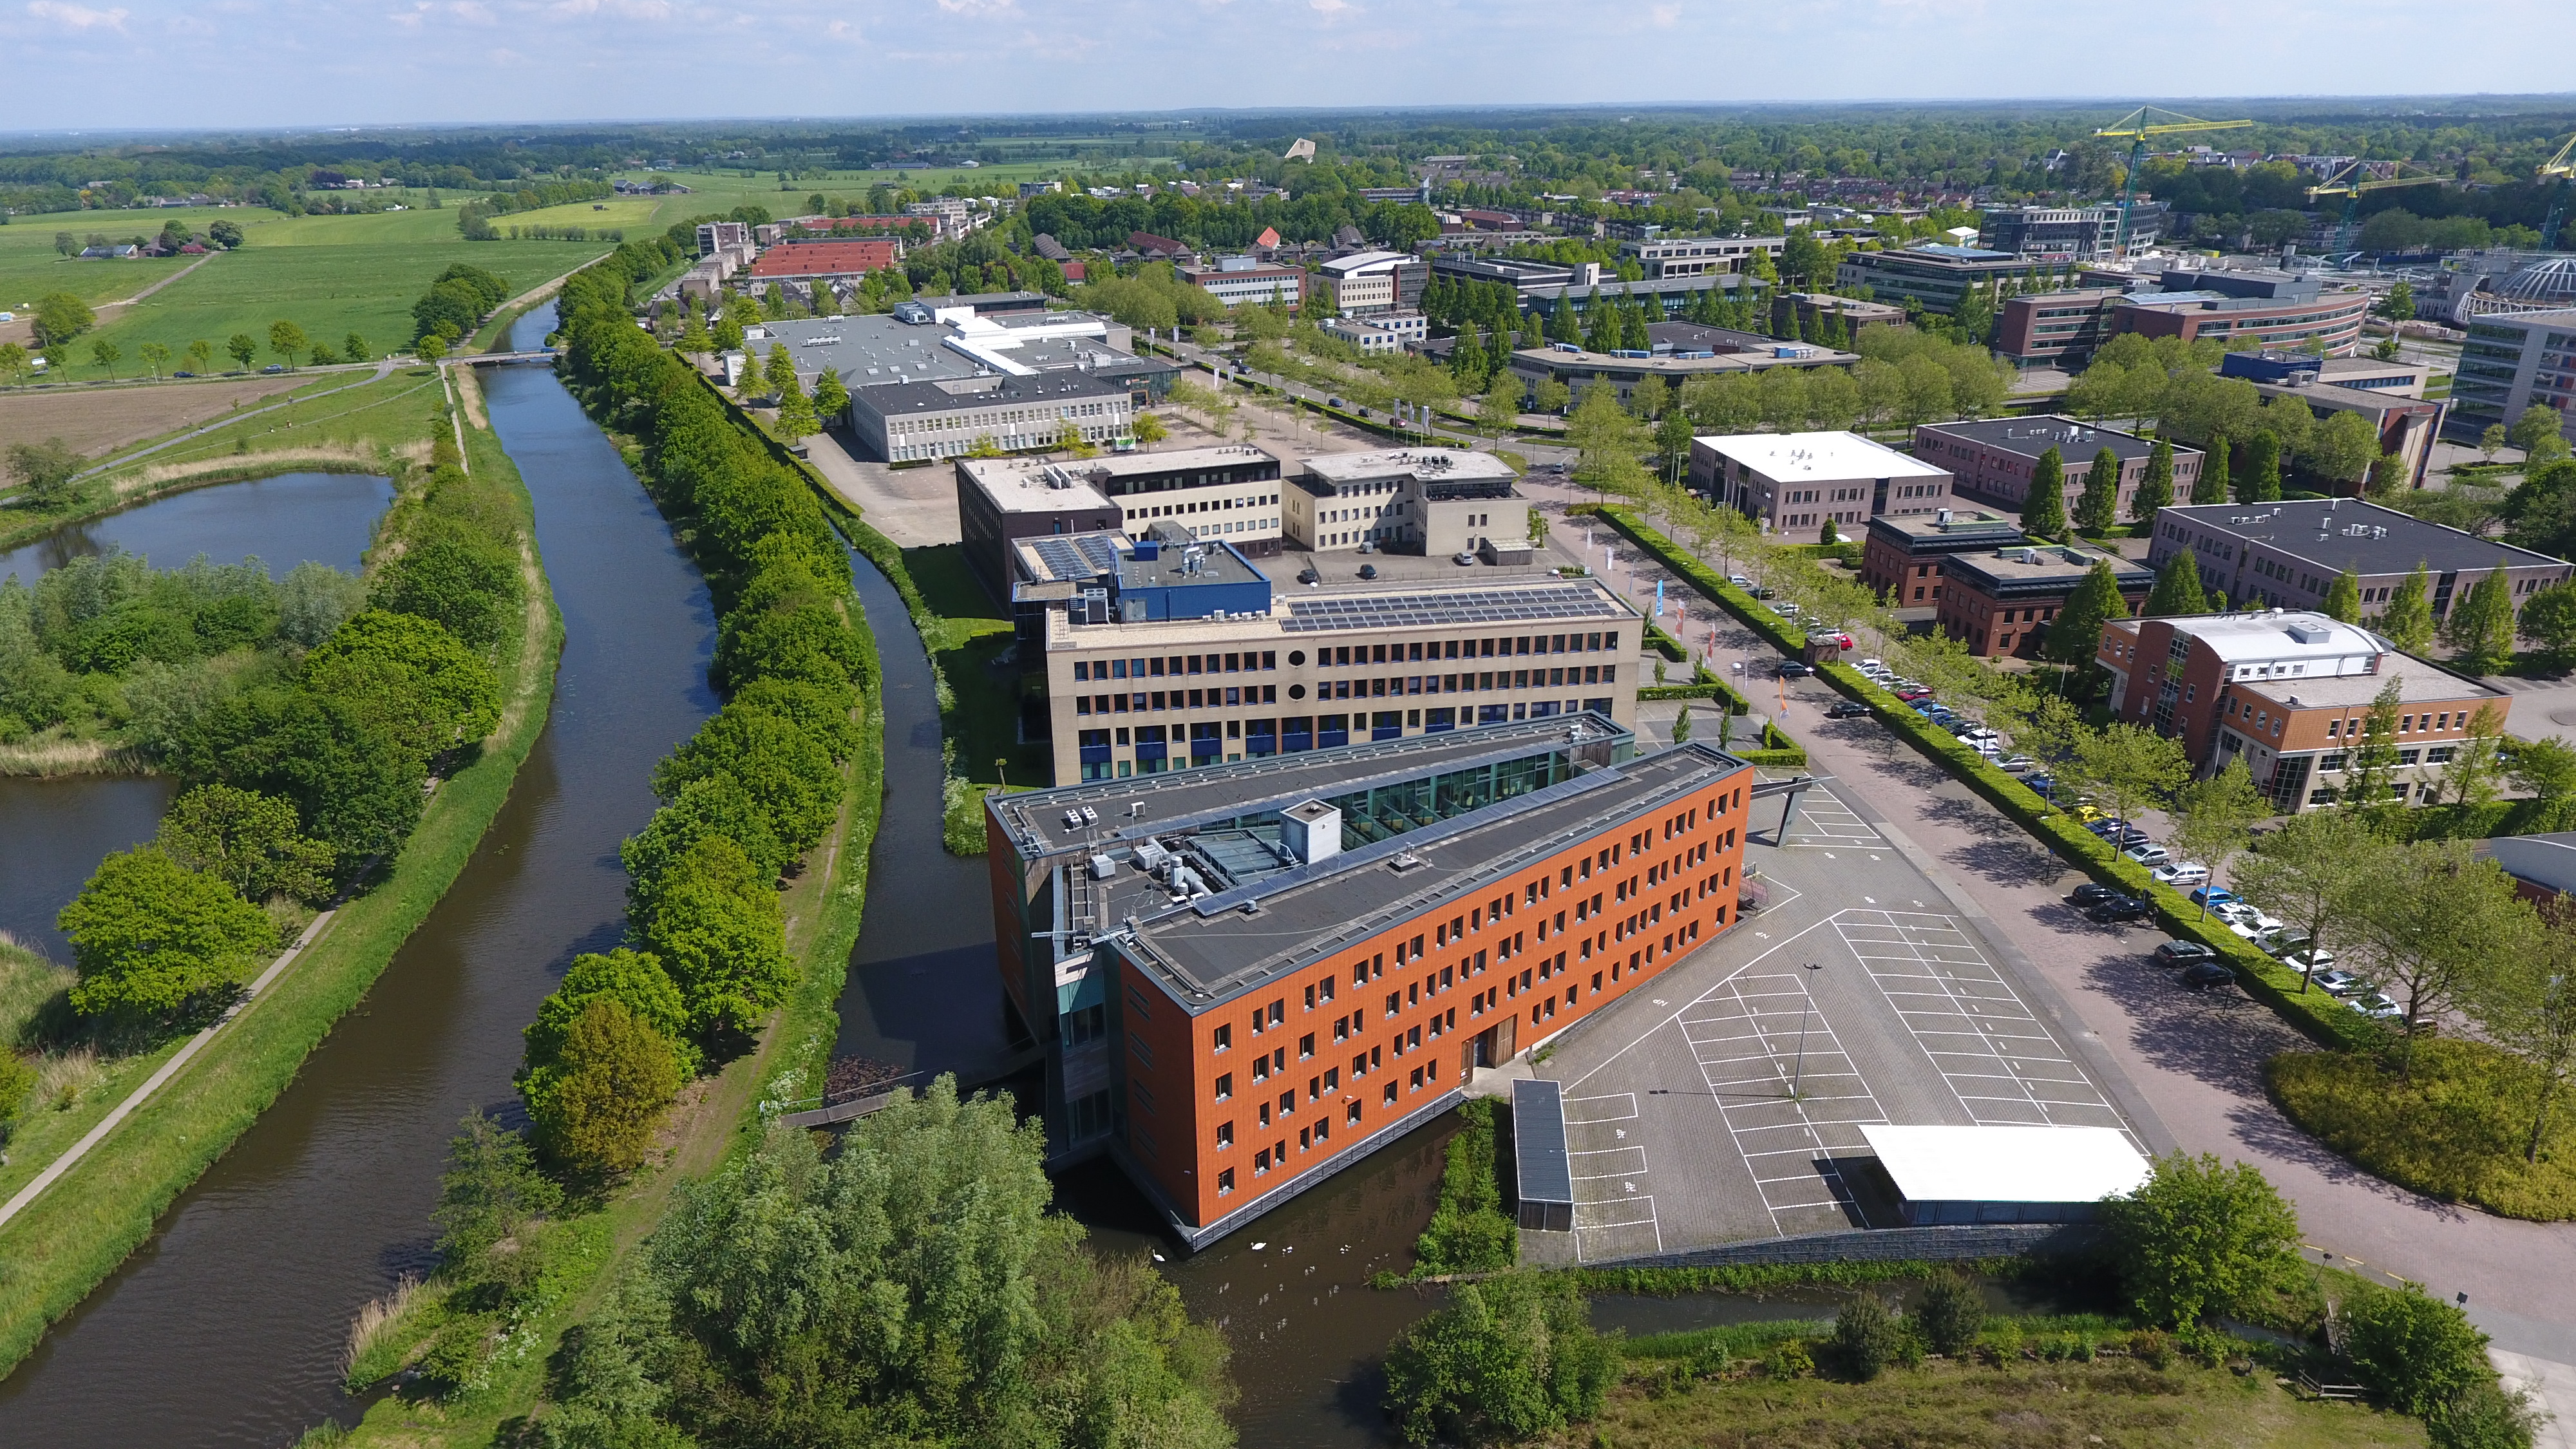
(76, 1233)
(2457, 1133)
(2315, 1014)
(1765, 1277)
(43, 1131)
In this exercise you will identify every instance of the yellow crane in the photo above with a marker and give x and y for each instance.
(2346, 182)
(2136, 127)
(2564, 169)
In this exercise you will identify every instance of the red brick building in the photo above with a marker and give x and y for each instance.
(1993, 459)
(1285, 965)
(829, 260)
(2289, 692)
(2001, 601)
(1900, 558)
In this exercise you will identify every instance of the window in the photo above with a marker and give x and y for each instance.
(1225, 1182)
(1225, 1087)
(1389, 1094)
(1305, 1046)
(1351, 1114)
(1223, 1039)
(1224, 1134)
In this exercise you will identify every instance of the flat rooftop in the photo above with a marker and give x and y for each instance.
(2417, 683)
(1045, 389)
(2273, 635)
(2008, 1164)
(2349, 533)
(880, 348)
(2075, 442)
(1381, 465)
(1965, 527)
(1213, 947)
(1792, 457)
(1472, 603)
(2046, 563)
(1039, 485)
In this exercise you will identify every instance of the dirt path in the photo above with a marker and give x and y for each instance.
(383, 369)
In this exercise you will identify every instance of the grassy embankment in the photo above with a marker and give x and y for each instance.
(717, 1118)
(72, 1236)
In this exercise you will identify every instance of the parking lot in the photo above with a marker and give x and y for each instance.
(1728, 1106)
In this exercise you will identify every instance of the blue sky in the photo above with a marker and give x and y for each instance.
(137, 63)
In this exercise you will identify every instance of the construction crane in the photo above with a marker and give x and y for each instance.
(2346, 182)
(2137, 126)
(2563, 168)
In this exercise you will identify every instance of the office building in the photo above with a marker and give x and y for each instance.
(1381, 332)
(2387, 395)
(1250, 977)
(1993, 459)
(1849, 313)
(1930, 275)
(2057, 329)
(2288, 554)
(1368, 282)
(1796, 482)
(1900, 558)
(2276, 309)
(2051, 233)
(2512, 360)
(2001, 601)
(2290, 692)
(1238, 280)
(1680, 352)
(720, 236)
(909, 422)
(1432, 501)
(1699, 256)
(1285, 672)
(1228, 493)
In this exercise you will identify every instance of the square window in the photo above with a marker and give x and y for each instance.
(1225, 1134)
(1225, 1182)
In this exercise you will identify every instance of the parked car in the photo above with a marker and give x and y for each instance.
(1795, 669)
(1308, 575)
(2180, 873)
(2116, 909)
(2017, 764)
(273, 367)
(2288, 942)
(2093, 892)
(2044, 786)
(1332, 402)
(1848, 709)
(2213, 897)
(2253, 930)
(2178, 954)
(1840, 639)
(1739, 580)
(2084, 812)
(2202, 975)
(1913, 694)
(2338, 983)
(2148, 853)
(1464, 557)
(1872, 666)
(2378, 1006)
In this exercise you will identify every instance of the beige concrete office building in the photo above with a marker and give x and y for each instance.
(1432, 501)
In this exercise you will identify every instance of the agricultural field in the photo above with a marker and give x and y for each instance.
(30, 268)
(633, 215)
(91, 421)
(330, 275)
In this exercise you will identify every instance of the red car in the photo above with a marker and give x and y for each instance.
(1840, 639)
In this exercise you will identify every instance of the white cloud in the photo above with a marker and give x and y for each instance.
(1665, 17)
(979, 8)
(1333, 9)
(79, 17)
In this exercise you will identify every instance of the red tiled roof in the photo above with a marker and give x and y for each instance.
(827, 258)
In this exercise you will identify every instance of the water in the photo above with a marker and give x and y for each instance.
(227, 1326)
(285, 520)
(53, 833)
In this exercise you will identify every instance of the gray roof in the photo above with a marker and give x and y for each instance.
(2544, 860)
(1541, 1168)
(891, 399)
(2334, 534)
(2075, 442)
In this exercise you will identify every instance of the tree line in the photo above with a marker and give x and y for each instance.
(304, 720)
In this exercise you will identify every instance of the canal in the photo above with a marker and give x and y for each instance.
(227, 1326)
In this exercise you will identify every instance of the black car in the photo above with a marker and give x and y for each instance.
(1848, 709)
(2206, 974)
(2183, 953)
(2115, 909)
(1795, 669)
(2093, 892)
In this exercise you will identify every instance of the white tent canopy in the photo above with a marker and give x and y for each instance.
(2006, 1174)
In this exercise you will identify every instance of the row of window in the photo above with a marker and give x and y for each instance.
(1396, 686)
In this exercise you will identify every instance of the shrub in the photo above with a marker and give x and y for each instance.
(2416, 1350)
(2198, 1236)
(2485, 1416)
(1866, 1336)
(1950, 1315)
(1510, 1357)
(150, 936)
(1789, 1361)
(490, 1191)
(1469, 1232)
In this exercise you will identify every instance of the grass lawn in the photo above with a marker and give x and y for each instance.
(969, 635)
(330, 289)
(2457, 1133)
(2115, 1402)
(30, 267)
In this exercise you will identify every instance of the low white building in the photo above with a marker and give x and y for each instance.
(1794, 482)
(1385, 332)
(1432, 501)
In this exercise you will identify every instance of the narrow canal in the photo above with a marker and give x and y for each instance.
(227, 1327)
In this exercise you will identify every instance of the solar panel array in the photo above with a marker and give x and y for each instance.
(1464, 607)
(1083, 556)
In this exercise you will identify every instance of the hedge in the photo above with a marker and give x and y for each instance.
(2316, 1015)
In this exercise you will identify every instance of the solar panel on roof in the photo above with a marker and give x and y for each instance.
(1489, 606)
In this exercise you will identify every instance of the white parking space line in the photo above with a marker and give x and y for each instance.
(1774, 1129)
(1825, 823)
(1999, 1061)
(1616, 1107)
(1622, 1162)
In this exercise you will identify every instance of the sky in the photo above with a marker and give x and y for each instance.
(228, 63)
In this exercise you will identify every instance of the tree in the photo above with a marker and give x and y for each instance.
(2435, 924)
(154, 356)
(2076, 633)
(2211, 485)
(796, 420)
(2310, 872)
(1150, 430)
(2178, 589)
(2199, 1238)
(2343, 448)
(249, 841)
(2408, 619)
(106, 354)
(2214, 817)
(2129, 767)
(2343, 598)
(355, 348)
(2545, 767)
(2532, 432)
(1950, 1315)
(2387, 477)
(225, 234)
(2477, 760)
(2549, 620)
(2098, 506)
(2043, 512)
(45, 470)
(2155, 490)
(2371, 766)
(2481, 625)
(1511, 1357)
(2262, 481)
(597, 1104)
(780, 368)
(831, 399)
(2491, 442)
(287, 340)
(634, 979)
(2399, 304)
(716, 929)
(243, 348)
(2527, 1005)
(2418, 1351)
(60, 317)
(150, 935)
(490, 1191)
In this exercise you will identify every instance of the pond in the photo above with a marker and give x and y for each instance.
(285, 520)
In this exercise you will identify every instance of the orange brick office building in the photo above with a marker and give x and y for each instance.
(1250, 976)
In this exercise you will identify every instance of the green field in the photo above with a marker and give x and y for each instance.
(330, 275)
(30, 268)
